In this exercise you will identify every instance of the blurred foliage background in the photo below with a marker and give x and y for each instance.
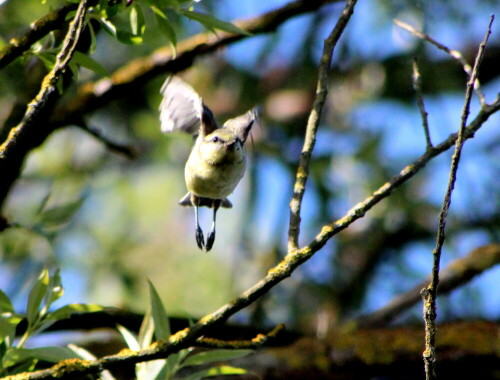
(109, 222)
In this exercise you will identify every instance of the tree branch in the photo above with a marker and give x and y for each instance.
(455, 275)
(126, 150)
(38, 29)
(313, 123)
(281, 271)
(20, 138)
(95, 95)
(453, 53)
(417, 86)
(429, 294)
(254, 343)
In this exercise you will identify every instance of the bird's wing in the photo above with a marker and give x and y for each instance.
(242, 124)
(181, 108)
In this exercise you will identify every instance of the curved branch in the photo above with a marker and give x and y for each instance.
(20, 138)
(455, 275)
(38, 29)
(283, 270)
(48, 92)
(312, 125)
(124, 81)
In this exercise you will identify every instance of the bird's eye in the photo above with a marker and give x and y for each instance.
(215, 139)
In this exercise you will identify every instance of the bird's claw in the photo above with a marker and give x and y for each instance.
(210, 239)
(200, 239)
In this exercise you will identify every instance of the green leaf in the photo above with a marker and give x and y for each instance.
(48, 59)
(213, 23)
(154, 370)
(5, 304)
(66, 311)
(60, 214)
(145, 337)
(8, 324)
(166, 28)
(130, 339)
(160, 317)
(108, 26)
(70, 15)
(89, 63)
(163, 373)
(162, 326)
(27, 366)
(36, 296)
(93, 39)
(225, 370)
(216, 355)
(74, 71)
(215, 371)
(55, 289)
(137, 22)
(53, 354)
(128, 38)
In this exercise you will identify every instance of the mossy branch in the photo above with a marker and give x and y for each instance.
(312, 125)
(37, 30)
(455, 275)
(48, 91)
(284, 269)
(275, 275)
(429, 294)
(124, 81)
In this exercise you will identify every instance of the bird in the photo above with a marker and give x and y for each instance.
(217, 160)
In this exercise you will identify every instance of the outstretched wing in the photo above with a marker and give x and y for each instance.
(181, 108)
(241, 125)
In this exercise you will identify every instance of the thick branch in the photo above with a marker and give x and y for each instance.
(135, 74)
(20, 138)
(38, 29)
(283, 270)
(313, 123)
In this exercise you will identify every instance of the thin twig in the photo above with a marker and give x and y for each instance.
(125, 80)
(417, 86)
(313, 123)
(254, 343)
(126, 150)
(453, 53)
(280, 272)
(429, 294)
(455, 275)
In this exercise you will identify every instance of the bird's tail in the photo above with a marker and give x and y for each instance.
(203, 202)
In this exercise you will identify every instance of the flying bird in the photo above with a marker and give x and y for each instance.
(217, 160)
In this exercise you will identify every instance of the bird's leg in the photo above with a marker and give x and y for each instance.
(200, 239)
(211, 235)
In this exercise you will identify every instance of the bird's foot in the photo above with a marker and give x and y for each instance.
(200, 239)
(210, 239)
